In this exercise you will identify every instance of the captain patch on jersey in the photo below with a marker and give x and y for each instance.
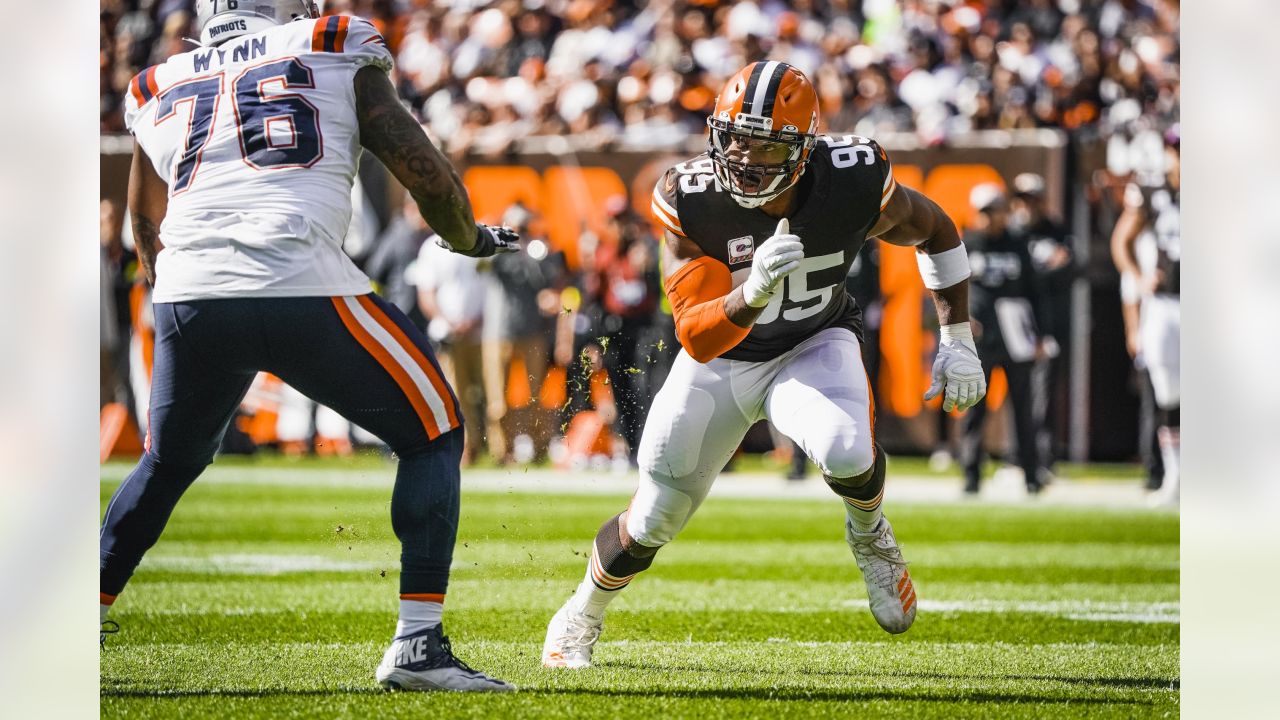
(847, 181)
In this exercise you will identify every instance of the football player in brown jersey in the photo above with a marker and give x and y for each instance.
(760, 232)
(1150, 292)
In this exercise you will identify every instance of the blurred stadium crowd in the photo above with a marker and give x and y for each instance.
(483, 74)
(560, 360)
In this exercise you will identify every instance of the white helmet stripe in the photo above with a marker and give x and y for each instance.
(762, 88)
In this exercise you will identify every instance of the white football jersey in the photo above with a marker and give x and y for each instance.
(259, 142)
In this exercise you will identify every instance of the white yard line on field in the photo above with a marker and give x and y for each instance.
(1002, 489)
(1157, 612)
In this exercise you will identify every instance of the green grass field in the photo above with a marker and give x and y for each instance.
(276, 598)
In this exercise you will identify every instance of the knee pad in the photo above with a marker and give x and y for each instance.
(856, 486)
(657, 513)
(846, 462)
(1169, 417)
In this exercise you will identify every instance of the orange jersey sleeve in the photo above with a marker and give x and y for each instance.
(697, 293)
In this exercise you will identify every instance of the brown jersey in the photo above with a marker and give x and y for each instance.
(846, 184)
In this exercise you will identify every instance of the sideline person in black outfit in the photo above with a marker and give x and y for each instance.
(1007, 308)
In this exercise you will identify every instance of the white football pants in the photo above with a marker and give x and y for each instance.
(816, 394)
(1159, 332)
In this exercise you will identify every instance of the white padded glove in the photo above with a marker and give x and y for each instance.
(957, 369)
(775, 259)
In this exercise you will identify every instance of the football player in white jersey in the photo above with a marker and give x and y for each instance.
(244, 155)
(760, 233)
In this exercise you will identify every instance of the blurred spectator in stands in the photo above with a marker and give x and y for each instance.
(519, 327)
(113, 309)
(629, 291)
(1007, 309)
(391, 263)
(957, 65)
(451, 295)
(1052, 257)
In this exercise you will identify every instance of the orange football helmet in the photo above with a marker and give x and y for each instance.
(762, 131)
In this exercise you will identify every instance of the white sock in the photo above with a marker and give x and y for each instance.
(864, 521)
(590, 599)
(102, 613)
(418, 615)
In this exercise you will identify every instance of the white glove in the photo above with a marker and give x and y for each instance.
(775, 259)
(957, 369)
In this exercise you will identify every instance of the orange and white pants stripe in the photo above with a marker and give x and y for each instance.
(419, 378)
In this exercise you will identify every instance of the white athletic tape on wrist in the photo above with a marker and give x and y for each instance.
(956, 331)
(943, 269)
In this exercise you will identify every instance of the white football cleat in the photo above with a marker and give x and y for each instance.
(571, 636)
(889, 588)
(425, 662)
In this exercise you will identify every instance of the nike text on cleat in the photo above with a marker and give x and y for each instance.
(571, 636)
(425, 662)
(890, 591)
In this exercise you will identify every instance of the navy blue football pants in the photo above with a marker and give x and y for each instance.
(358, 355)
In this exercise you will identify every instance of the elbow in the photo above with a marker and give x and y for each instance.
(700, 348)
(686, 341)
(702, 355)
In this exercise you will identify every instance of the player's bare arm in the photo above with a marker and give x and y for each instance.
(148, 203)
(913, 220)
(390, 132)
(1124, 240)
(1125, 237)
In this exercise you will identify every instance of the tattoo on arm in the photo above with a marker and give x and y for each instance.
(146, 238)
(390, 132)
(148, 199)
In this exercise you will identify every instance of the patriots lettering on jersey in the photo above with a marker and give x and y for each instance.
(250, 49)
